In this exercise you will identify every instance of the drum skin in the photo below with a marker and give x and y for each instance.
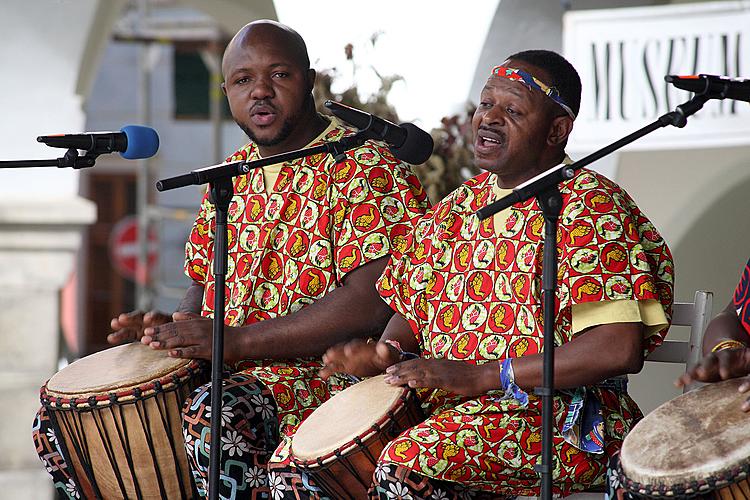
(340, 442)
(118, 414)
(694, 444)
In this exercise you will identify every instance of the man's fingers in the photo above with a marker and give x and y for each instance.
(133, 318)
(125, 335)
(385, 354)
(184, 316)
(683, 380)
(326, 372)
(153, 318)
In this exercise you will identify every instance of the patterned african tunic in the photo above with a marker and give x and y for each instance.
(741, 298)
(290, 245)
(472, 292)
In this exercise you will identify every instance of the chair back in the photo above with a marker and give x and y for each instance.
(696, 315)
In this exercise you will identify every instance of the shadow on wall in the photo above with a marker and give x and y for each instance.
(715, 249)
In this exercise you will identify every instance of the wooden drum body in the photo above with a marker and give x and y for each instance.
(697, 444)
(339, 444)
(117, 414)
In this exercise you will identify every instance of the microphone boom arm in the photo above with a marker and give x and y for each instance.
(71, 159)
(232, 169)
(552, 177)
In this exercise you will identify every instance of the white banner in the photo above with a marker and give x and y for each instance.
(623, 55)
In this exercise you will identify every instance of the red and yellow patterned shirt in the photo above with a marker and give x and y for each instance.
(290, 245)
(472, 292)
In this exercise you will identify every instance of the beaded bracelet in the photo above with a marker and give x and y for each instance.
(403, 355)
(728, 344)
(508, 383)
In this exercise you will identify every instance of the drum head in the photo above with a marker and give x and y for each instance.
(698, 436)
(114, 369)
(349, 414)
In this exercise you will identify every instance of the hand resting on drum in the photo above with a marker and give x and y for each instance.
(129, 326)
(725, 353)
(359, 358)
(189, 336)
(368, 359)
(365, 359)
(721, 365)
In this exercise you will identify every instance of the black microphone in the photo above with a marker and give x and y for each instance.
(717, 87)
(407, 142)
(133, 142)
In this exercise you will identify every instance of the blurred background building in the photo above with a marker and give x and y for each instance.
(71, 257)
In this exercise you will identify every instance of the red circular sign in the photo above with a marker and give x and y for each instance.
(123, 250)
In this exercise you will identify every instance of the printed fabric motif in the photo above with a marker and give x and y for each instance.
(741, 298)
(474, 296)
(289, 247)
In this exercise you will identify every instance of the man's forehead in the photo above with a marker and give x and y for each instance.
(267, 39)
(273, 55)
(496, 83)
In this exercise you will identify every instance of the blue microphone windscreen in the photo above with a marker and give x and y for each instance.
(143, 142)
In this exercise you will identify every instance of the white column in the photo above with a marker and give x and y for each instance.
(38, 240)
(41, 214)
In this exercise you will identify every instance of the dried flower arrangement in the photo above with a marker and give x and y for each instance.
(451, 162)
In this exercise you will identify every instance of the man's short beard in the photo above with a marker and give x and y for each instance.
(286, 127)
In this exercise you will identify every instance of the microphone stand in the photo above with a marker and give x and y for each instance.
(545, 188)
(221, 187)
(71, 159)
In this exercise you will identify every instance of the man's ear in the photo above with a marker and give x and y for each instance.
(224, 88)
(311, 79)
(559, 130)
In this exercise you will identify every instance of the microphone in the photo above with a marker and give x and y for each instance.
(133, 142)
(718, 87)
(407, 142)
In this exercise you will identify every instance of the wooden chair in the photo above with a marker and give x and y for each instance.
(696, 315)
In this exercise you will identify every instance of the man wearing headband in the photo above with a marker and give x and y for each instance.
(469, 305)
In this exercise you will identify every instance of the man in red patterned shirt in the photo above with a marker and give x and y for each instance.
(307, 240)
(468, 297)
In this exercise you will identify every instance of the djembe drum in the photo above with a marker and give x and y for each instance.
(117, 414)
(340, 442)
(697, 444)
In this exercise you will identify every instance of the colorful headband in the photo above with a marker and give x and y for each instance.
(519, 75)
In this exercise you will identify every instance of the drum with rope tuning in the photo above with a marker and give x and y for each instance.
(696, 445)
(117, 416)
(340, 442)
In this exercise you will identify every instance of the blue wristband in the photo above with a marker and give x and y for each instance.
(508, 384)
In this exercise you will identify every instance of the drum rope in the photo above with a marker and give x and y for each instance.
(109, 449)
(166, 423)
(85, 453)
(326, 482)
(145, 421)
(64, 445)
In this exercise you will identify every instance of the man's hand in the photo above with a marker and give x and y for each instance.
(458, 377)
(358, 358)
(129, 326)
(189, 335)
(721, 365)
(717, 366)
